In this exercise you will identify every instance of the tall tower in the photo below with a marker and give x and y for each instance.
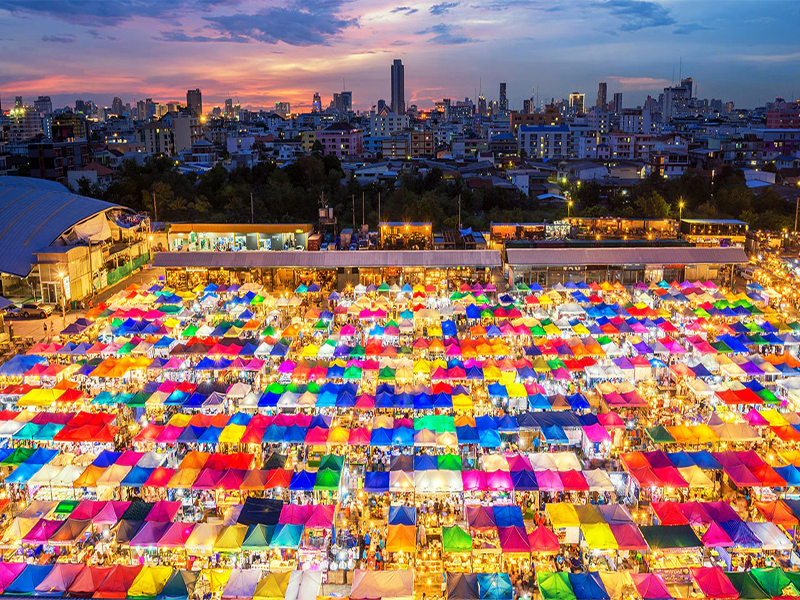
(194, 100)
(503, 98)
(618, 102)
(398, 87)
(602, 93)
(316, 103)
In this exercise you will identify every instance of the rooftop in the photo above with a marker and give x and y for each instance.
(568, 257)
(331, 260)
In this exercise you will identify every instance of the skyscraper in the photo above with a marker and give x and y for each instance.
(398, 87)
(602, 92)
(229, 107)
(194, 100)
(43, 105)
(576, 101)
(316, 103)
(116, 106)
(618, 102)
(503, 99)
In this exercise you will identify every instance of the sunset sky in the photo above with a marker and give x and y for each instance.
(262, 52)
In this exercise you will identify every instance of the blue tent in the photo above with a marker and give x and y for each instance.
(489, 438)
(495, 586)
(508, 516)
(23, 473)
(26, 582)
(303, 481)
(588, 586)
(191, 434)
(681, 459)
(467, 434)
(274, 434)
(402, 515)
(136, 477)
(403, 436)
(106, 458)
(790, 473)
(524, 481)
(705, 460)
(553, 434)
(376, 481)
(20, 364)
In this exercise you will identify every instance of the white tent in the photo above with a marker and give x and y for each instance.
(382, 585)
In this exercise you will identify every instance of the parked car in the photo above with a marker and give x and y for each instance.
(34, 310)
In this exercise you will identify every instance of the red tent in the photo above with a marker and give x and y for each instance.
(713, 583)
(669, 513)
(118, 582)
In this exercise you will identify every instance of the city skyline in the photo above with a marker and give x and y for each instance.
(261, 55)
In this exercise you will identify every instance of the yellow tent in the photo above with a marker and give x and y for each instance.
(562, 514)
(230, 539)
(273, 586)
(89, 477)
(18, 529)
(704, 434)
(183, 479)
(598, 536)
(695, 477)
(232, 434)
(203, 537)
(180, 420)
(217, 578)
(40, 397)
(149, 582)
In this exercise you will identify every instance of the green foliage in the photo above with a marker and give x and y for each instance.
(652, 206)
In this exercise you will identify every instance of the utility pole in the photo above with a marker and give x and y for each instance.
(353, 198)
(252, 212)
(363, 215)
(459, 211)
(155, 207)
(796, 208)
(379, 208)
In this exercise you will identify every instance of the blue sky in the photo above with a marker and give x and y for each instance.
(261, 52)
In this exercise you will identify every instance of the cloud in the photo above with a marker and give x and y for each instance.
(631, 84)
(440, 9)
(688, 28)
(107, 13)
(400, 43)
(637, 14)
(65, 38)
(100, 36)
(405, 9)
(295, 24)
(446, 35)
(767, 58)
(178, 35)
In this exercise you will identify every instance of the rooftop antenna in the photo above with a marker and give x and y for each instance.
(680, 69)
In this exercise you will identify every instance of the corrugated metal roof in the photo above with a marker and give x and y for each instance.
(33, 213)
(266, 228)
(568, 257)
(331, 260)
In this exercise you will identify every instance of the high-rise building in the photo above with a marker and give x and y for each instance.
(18, 102)
(284, 109)
(576, 102)
(229, 107)
(398, 87)
(482, 106)
(688, 85)
(343, 101)
(194, 100)
(618, 102)
(43, 105)
(316, 103)
(602, 93)
(503, 98)
(116, 106)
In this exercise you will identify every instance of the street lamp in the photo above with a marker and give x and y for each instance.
(680, 210)
(569, 206)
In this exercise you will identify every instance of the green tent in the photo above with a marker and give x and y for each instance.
(257, 299)
(555, 586)
(538, 331)
(386, 374)
(126, 349)
(758, 340)
(357, 351)
(768, 397)
(455, 539)
(258, 537)
(18, 456)
(747, 587)
(65, 507)
(721, 347)
(331, 461)
(170, 308)
(384, 287)
(190, 331)
(521, 287)
(660, 435)
(775, 582)
(286, 536)
(352, 372)
(449, 462)
(327, 480)
(138, 400)
(269, 331)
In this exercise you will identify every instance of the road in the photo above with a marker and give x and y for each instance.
(35, 327)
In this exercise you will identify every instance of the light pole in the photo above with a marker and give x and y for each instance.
(680, 216)
(569, 208)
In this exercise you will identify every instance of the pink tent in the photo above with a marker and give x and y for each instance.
(715, 537)
(87, 509)
(129, 458)
(695, 513)
(650, 585)
(611, 420)
(628, 537)
(481, 517)
(518, 462)
(294, 514)
(499, 481)
(176, 535)
(542, 539)
(359, 436)
(208, 479)
(111, 513)
(713, 583)
(474, 481)
(317, 436)
(755, 418)
(513, 539)
(9, 572)
(163, 511)
(40, 533)
(549, 481)
(320, 517)
(670, 477)
(596, 433)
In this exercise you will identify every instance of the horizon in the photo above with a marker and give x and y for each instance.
(260, 55)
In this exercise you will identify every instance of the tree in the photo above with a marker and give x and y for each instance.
(652, 206)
